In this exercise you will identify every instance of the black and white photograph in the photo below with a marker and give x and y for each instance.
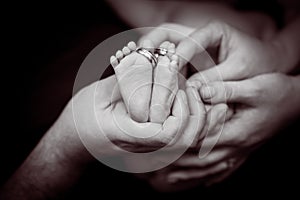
(135, 99)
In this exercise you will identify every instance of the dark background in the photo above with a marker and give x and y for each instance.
(47, 42)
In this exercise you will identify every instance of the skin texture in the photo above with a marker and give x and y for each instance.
(237, 50)
(165, 84)
(241, 57)
(148, 92)
(134, 74)
(61, 150)
(54, 154)
(252, 124)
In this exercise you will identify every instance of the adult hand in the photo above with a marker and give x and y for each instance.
(240, 55)
(99, 112)
(261, 112)
(161, 179)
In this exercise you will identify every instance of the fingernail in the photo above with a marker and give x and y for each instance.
(207, 92)
(196, 94)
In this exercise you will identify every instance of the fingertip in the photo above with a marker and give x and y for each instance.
(207, 92)
(193, 83)
(147, 44)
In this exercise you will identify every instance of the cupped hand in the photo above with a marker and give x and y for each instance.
(100, 116)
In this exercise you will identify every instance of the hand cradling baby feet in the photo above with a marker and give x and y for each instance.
(148, 90)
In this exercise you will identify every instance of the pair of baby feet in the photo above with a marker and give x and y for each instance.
(148, 92)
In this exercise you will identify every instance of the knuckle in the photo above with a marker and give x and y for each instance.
(221, 27)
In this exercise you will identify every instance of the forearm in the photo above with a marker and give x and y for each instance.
(52, 167)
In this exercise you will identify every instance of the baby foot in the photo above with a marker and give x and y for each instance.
(165, 84)
(134, 74)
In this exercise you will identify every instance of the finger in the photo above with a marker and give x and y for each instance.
(170, 32)
(232, 92)
(180, 112)
(224, 71)
(195, 103)
(151, 135)
(183, 175)
(215, 118)
(229, 113)
(235, 132)
(193, 160)
(211, 35)
(196, 119)
(227, 173)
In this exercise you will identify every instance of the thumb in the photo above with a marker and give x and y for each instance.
(171, 32)
(230, 92)
(107, 91)
(225, 71)
(211, 35)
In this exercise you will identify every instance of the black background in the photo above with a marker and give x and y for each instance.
(46, 43)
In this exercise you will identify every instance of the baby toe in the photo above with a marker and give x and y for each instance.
(126, 51)
(132, 46)
(119, 55)
(114, 61)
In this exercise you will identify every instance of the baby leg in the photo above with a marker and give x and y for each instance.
(165, 84)
(134, 75)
